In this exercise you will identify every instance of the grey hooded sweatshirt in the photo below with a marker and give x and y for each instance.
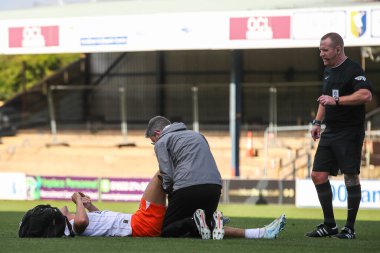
(185, 158)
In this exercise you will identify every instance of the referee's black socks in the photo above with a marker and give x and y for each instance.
(354, 196)
(325, 198)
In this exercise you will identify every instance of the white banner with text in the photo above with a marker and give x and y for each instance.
(306, 195)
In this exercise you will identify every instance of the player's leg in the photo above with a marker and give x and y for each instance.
(270, 231)
(234, 232)
(147, 220)
(251, 233)
(154, 192)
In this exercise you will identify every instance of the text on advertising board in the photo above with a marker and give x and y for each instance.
(256, 28)
(33, 36)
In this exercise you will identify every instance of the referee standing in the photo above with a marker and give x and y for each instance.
(342, 109)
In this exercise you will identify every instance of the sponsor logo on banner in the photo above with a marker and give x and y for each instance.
(110, 189)
(106, 40)
(41, 187)
(33, 36)
(123, 189)
(260, 27)
(358, 20)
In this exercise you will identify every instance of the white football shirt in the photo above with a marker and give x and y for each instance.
(106, 223)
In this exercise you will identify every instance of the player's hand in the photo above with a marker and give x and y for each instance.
(76, 197)
(86, 201)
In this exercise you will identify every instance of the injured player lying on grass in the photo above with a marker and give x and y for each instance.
(147, 220)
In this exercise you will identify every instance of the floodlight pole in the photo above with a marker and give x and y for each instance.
(195, 109)
(53, 125)
(236, 80)
(273, 110)
(123, 116)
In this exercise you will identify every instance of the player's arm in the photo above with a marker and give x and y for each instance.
(81, 219)
(87, 202)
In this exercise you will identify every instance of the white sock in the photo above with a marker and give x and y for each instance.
(254, 233)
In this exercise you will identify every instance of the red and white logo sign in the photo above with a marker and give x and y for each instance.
(258, 28)
(34, 36)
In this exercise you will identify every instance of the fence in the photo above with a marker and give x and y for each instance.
(97, 107)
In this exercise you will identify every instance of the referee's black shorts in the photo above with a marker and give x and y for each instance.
(339, 149)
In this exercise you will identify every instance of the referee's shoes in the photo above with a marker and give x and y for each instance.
(345, 233)
(323, 230)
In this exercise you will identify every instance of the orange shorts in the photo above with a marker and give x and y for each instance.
(147, 221)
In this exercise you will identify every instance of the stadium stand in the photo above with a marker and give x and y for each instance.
(98, 155)
(89, 119)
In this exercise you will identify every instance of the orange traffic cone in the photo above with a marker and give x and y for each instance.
(250, 149)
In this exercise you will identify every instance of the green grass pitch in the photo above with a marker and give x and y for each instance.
(291, 240)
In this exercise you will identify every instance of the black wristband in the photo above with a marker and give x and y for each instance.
(316, 122)
(336, 101)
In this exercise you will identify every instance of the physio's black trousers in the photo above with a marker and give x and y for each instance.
(182, 204)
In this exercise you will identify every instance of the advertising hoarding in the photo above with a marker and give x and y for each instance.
(12, 186)
(358, 25)
(306, 195)
(99, 189)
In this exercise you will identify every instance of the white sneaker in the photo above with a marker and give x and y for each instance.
(226, 220)
(200, 220)
(275, 227)
(218, 231)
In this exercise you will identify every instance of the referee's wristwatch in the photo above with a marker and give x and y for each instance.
(316, 122)
(336, 101)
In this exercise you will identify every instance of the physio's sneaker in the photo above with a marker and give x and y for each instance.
(218, 228)
(345, 233)
(200, 220)
(322, 231)
(275, 227)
